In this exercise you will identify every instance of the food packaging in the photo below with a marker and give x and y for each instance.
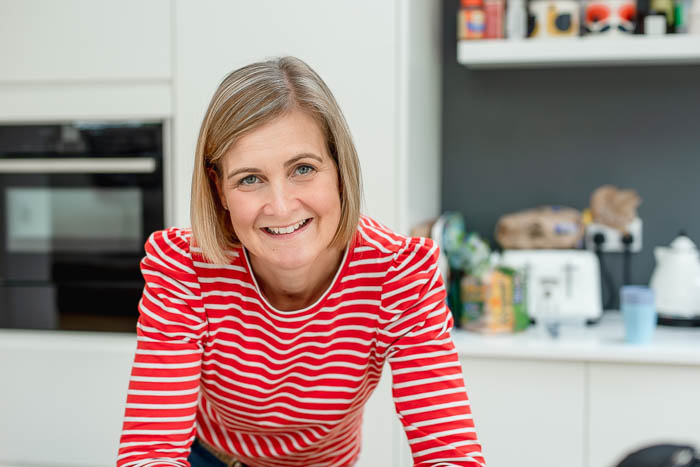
(495, 301)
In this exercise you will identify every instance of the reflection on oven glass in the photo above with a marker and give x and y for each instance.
(64, 220)
(77, 202)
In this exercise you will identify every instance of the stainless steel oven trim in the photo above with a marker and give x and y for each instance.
(79, 165)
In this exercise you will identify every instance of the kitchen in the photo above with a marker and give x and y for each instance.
(539, 136)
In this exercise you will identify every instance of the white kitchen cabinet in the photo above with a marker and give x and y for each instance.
(380, 59)
(382, 443)
(528, 413)
(632, 406)
(584, 400)
(63, 396)
(85, 60)
(60, 102)
(85, 40)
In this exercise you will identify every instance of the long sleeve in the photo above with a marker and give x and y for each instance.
(161, 405)
(428, 386)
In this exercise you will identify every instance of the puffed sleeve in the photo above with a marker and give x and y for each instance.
(161, 404)
(428, 386)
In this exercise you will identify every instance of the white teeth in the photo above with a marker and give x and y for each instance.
(285, 230)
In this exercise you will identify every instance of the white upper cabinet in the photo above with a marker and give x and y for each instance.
(85, 40)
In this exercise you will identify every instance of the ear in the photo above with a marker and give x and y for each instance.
(215, 180)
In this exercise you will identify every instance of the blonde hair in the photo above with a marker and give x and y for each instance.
(245, 100)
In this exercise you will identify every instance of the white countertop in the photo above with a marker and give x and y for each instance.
(602, 342)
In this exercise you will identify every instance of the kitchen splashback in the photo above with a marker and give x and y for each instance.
(518, 139)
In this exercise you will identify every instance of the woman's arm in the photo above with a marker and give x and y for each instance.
(428, 386)
(161, 405)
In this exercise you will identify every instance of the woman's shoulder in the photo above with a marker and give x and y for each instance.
(178, 244)
(170, 250)
(403, 250)
(173, 241)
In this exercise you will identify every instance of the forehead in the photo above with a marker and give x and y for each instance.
(278, 140)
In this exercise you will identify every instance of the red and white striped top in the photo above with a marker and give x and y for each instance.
(287, 388)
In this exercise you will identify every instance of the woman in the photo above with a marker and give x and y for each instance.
(263, 330)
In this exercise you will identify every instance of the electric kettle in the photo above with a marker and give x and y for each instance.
(676, 282)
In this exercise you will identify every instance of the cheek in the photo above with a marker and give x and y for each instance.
(242, 212)
(326, 199)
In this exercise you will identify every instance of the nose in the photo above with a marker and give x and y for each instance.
(282, 200)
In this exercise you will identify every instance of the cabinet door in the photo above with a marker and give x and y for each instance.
(84, 40)
(527, 412)
(380, 427)
(63, 396)
(632, 406)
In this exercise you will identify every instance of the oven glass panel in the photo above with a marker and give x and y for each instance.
(74, 220)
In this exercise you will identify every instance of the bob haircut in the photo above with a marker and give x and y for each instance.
(245, 100)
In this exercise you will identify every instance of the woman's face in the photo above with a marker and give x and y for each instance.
(281, 188)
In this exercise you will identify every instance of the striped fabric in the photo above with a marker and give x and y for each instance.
(287, 388)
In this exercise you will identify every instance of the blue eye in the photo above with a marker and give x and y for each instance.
(249, 180)
(304, 169)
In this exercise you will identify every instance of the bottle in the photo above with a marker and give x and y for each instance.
(516, 19)
(471, 20)
(694, 18)
(681, 15)
(664, 7)
(494, 10)
(642, 12)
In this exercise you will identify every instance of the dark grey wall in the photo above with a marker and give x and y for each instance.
(515, 139)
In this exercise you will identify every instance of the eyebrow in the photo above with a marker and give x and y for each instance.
(290, 162)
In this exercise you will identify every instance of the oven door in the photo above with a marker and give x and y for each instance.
(71, 240)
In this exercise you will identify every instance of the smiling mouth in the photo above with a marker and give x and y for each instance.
(286, 230)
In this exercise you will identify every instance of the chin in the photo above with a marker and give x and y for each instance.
(290, 259)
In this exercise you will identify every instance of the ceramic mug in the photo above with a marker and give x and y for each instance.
(609, 17)
(553, 18)
(638, 309)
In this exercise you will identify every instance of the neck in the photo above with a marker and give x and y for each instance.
(294, 289)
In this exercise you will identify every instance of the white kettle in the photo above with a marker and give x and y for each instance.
(676, 281)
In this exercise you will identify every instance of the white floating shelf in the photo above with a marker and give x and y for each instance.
(579, 51)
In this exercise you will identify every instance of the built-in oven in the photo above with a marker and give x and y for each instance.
(77, 202)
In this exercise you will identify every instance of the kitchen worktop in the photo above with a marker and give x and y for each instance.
(601, 342)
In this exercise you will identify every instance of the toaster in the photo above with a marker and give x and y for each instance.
(561, 285)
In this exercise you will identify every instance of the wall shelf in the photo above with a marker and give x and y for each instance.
(579, 51)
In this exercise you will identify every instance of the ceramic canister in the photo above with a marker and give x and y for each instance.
(554, 18)
(609, 17)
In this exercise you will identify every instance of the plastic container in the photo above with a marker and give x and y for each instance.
(655, 25)
(694, 18)
(495, 12)
(471, 20)
(638, 309)
(681, 15)
(664, 7)
(516, 20)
